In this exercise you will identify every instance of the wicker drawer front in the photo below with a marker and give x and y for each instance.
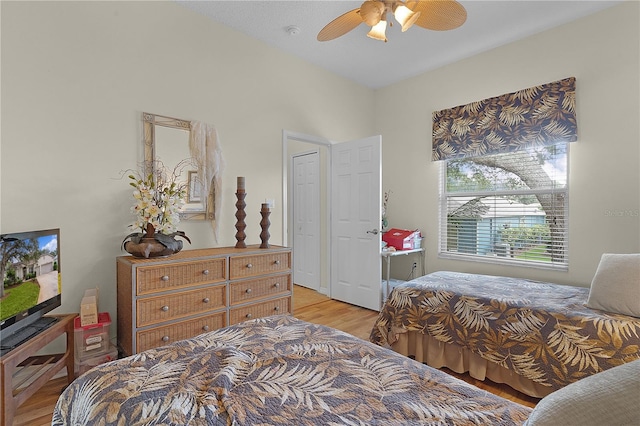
(161, 336)
(259, 264)
(153, 279)
(153, 310)
(247, 290)
(258, 310)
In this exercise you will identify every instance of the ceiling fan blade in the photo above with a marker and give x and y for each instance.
(439, 15)
(340, 26)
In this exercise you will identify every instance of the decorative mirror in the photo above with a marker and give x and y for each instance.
(167, 142)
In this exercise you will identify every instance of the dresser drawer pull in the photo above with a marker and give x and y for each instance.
(249, 265)
(277, 308)
(205, 328)
(205, 300)
(165, 308)
(277, 285)
(249, 315)
(165, 278)
(205, 272)
(248, 290)
(277, 262)
(165, 338)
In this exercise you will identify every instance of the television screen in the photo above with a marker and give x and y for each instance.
(30, 269)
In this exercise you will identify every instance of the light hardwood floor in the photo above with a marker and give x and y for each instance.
(308, 305)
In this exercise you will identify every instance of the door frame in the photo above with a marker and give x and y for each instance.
(286, 184)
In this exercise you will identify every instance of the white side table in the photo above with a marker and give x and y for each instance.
(387, 255)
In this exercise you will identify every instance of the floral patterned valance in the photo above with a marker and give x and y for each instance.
(541, 115)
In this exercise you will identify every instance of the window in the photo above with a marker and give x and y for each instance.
(504, 193)
(509, 207)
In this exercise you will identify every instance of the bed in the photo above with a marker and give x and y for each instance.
(536, 337)
(276, 371)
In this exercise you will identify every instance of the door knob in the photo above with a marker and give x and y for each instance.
(374, 232)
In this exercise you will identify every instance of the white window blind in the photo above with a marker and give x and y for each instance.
(507, 208)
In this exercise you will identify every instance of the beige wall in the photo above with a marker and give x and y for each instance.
(602, 52)
(77, 75)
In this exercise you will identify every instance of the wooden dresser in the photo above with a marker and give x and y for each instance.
(163, 300)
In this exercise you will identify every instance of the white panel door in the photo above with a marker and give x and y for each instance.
(356, 201)
(306, 220)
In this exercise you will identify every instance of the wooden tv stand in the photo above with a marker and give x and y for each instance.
(44, 366)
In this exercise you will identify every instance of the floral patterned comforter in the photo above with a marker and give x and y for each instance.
(542, 331)
(276, 371)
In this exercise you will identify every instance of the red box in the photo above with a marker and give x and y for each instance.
(401, 239)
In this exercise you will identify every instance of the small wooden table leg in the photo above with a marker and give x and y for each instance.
(71, 345)
(49, 366)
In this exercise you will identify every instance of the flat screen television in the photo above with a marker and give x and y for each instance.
(32, 286)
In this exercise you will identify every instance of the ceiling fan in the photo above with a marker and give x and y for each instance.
(439, 15)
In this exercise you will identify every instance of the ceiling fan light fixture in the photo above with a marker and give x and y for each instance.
(436, 15)
(405, 16)
(378, 31)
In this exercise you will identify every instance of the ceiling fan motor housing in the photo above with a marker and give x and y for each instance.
(372, 11)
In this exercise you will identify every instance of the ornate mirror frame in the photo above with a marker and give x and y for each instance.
(150, 121)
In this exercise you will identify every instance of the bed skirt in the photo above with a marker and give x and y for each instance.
(438, 354)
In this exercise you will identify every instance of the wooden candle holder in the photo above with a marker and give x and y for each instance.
(264, 224)
(240, 213)
(240, 216)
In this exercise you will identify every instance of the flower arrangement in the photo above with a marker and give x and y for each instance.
(159, 196)
(158, 202)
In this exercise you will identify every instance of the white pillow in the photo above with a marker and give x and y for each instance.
(616, 285)
(607, 398)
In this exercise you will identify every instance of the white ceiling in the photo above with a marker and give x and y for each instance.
(377, 64)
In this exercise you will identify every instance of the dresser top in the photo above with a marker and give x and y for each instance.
(203, 253)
